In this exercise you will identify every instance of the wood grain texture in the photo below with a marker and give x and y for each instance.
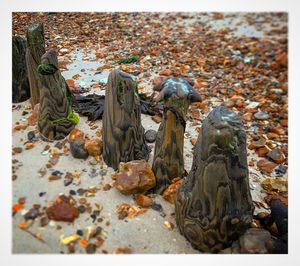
(20, 83)
(34, 52)
(54, 104)
(214, 205)
(168, 162)
(123, 133)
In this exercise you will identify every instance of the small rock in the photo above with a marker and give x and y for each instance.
(254, 241)
(91, 248)
(266, 166)
(33, 118)
(106, 187)
(281, 169)
(276, 155)
(150, 135)
(63, 209)
(262, 152)
(77, 149)
(277, 130)
(261, 116)
(44, 221)
(134, 177)
(31, 214)
(257, 144)
(122, 250)
(94, 147)
(17, 149)
(68, 181)
(157, 207)
(30, 135)
(81, 209)
(42, 171)
(157, 119)
(143, 201)
(76, 134)
(170, 192)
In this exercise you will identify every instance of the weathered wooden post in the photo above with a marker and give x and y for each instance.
(214, 205)
(123, 133)
(168, 162)
(34, 52)
(56, 118)
(20, 83)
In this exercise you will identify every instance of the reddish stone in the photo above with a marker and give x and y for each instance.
(266, 166)
(170, 192)
(284, 123)
(272, 135)
(64, 209)
(94, 147)
(257, 144)
(262, 152)
(277, 130)
(276, 155)
(247, 117)
(134, 177)
(76, 134)
(143, 201)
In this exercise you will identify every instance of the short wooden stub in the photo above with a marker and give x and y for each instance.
(35, 50)
(56, 118)
(214, 205)
(168, 162)
(20, 83)
(123, 133)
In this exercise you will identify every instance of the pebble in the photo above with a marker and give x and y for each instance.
(90, 249)
(79, 232)
(31, 214)
(156, 206)
(150, 135)
(41, 194)
(77, 149)
(72, 192)
(68, 181)
(30, 135)
(261, 116)
(81, 209)
(281, 169)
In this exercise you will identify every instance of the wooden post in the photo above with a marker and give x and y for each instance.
(56, 118)
(123, 133)
(34, 52)
(20, 83)
(214, 205)
(168, 160)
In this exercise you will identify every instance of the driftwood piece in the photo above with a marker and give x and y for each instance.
(34, 53)
(92, 106)
(123, 133)
(20, 83)
(56, 118)
(168, 162)
(214, 205)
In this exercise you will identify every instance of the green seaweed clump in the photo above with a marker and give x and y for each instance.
(127, 60)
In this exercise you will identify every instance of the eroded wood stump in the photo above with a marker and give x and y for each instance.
(20, 83)
(56, 118)
(34, 53)
(123, 133)
(168, 162)
(214, 205)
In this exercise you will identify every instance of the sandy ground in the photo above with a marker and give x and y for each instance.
(145, 233)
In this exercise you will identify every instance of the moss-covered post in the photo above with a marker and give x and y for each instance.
(20, 83)
(168, 162)
(56, 118)
(34, 52)
(123, 133)
(214, 205)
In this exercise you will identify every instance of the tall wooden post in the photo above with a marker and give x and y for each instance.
(123, 133)
(168, 162)
(20, 83)
(56, 118)
(214, 205)
(34, 52)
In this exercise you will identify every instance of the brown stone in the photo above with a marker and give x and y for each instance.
(262, 152)
(272, 135)
(33, 118)
(170, 193)
(143, 201)
(254, 241)
(75, 134)
(284, 122)
(156, 119)
(64, 209)
(266, 166)
(276, 155)
(277, 130)
(257, 144)
(247, 117)
(94, 147)
(134, 177)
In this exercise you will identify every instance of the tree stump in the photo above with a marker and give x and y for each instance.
(123, 133)
(214, 205)
(56, 118)
(168, 162)
(20, 83)
(34, 53)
